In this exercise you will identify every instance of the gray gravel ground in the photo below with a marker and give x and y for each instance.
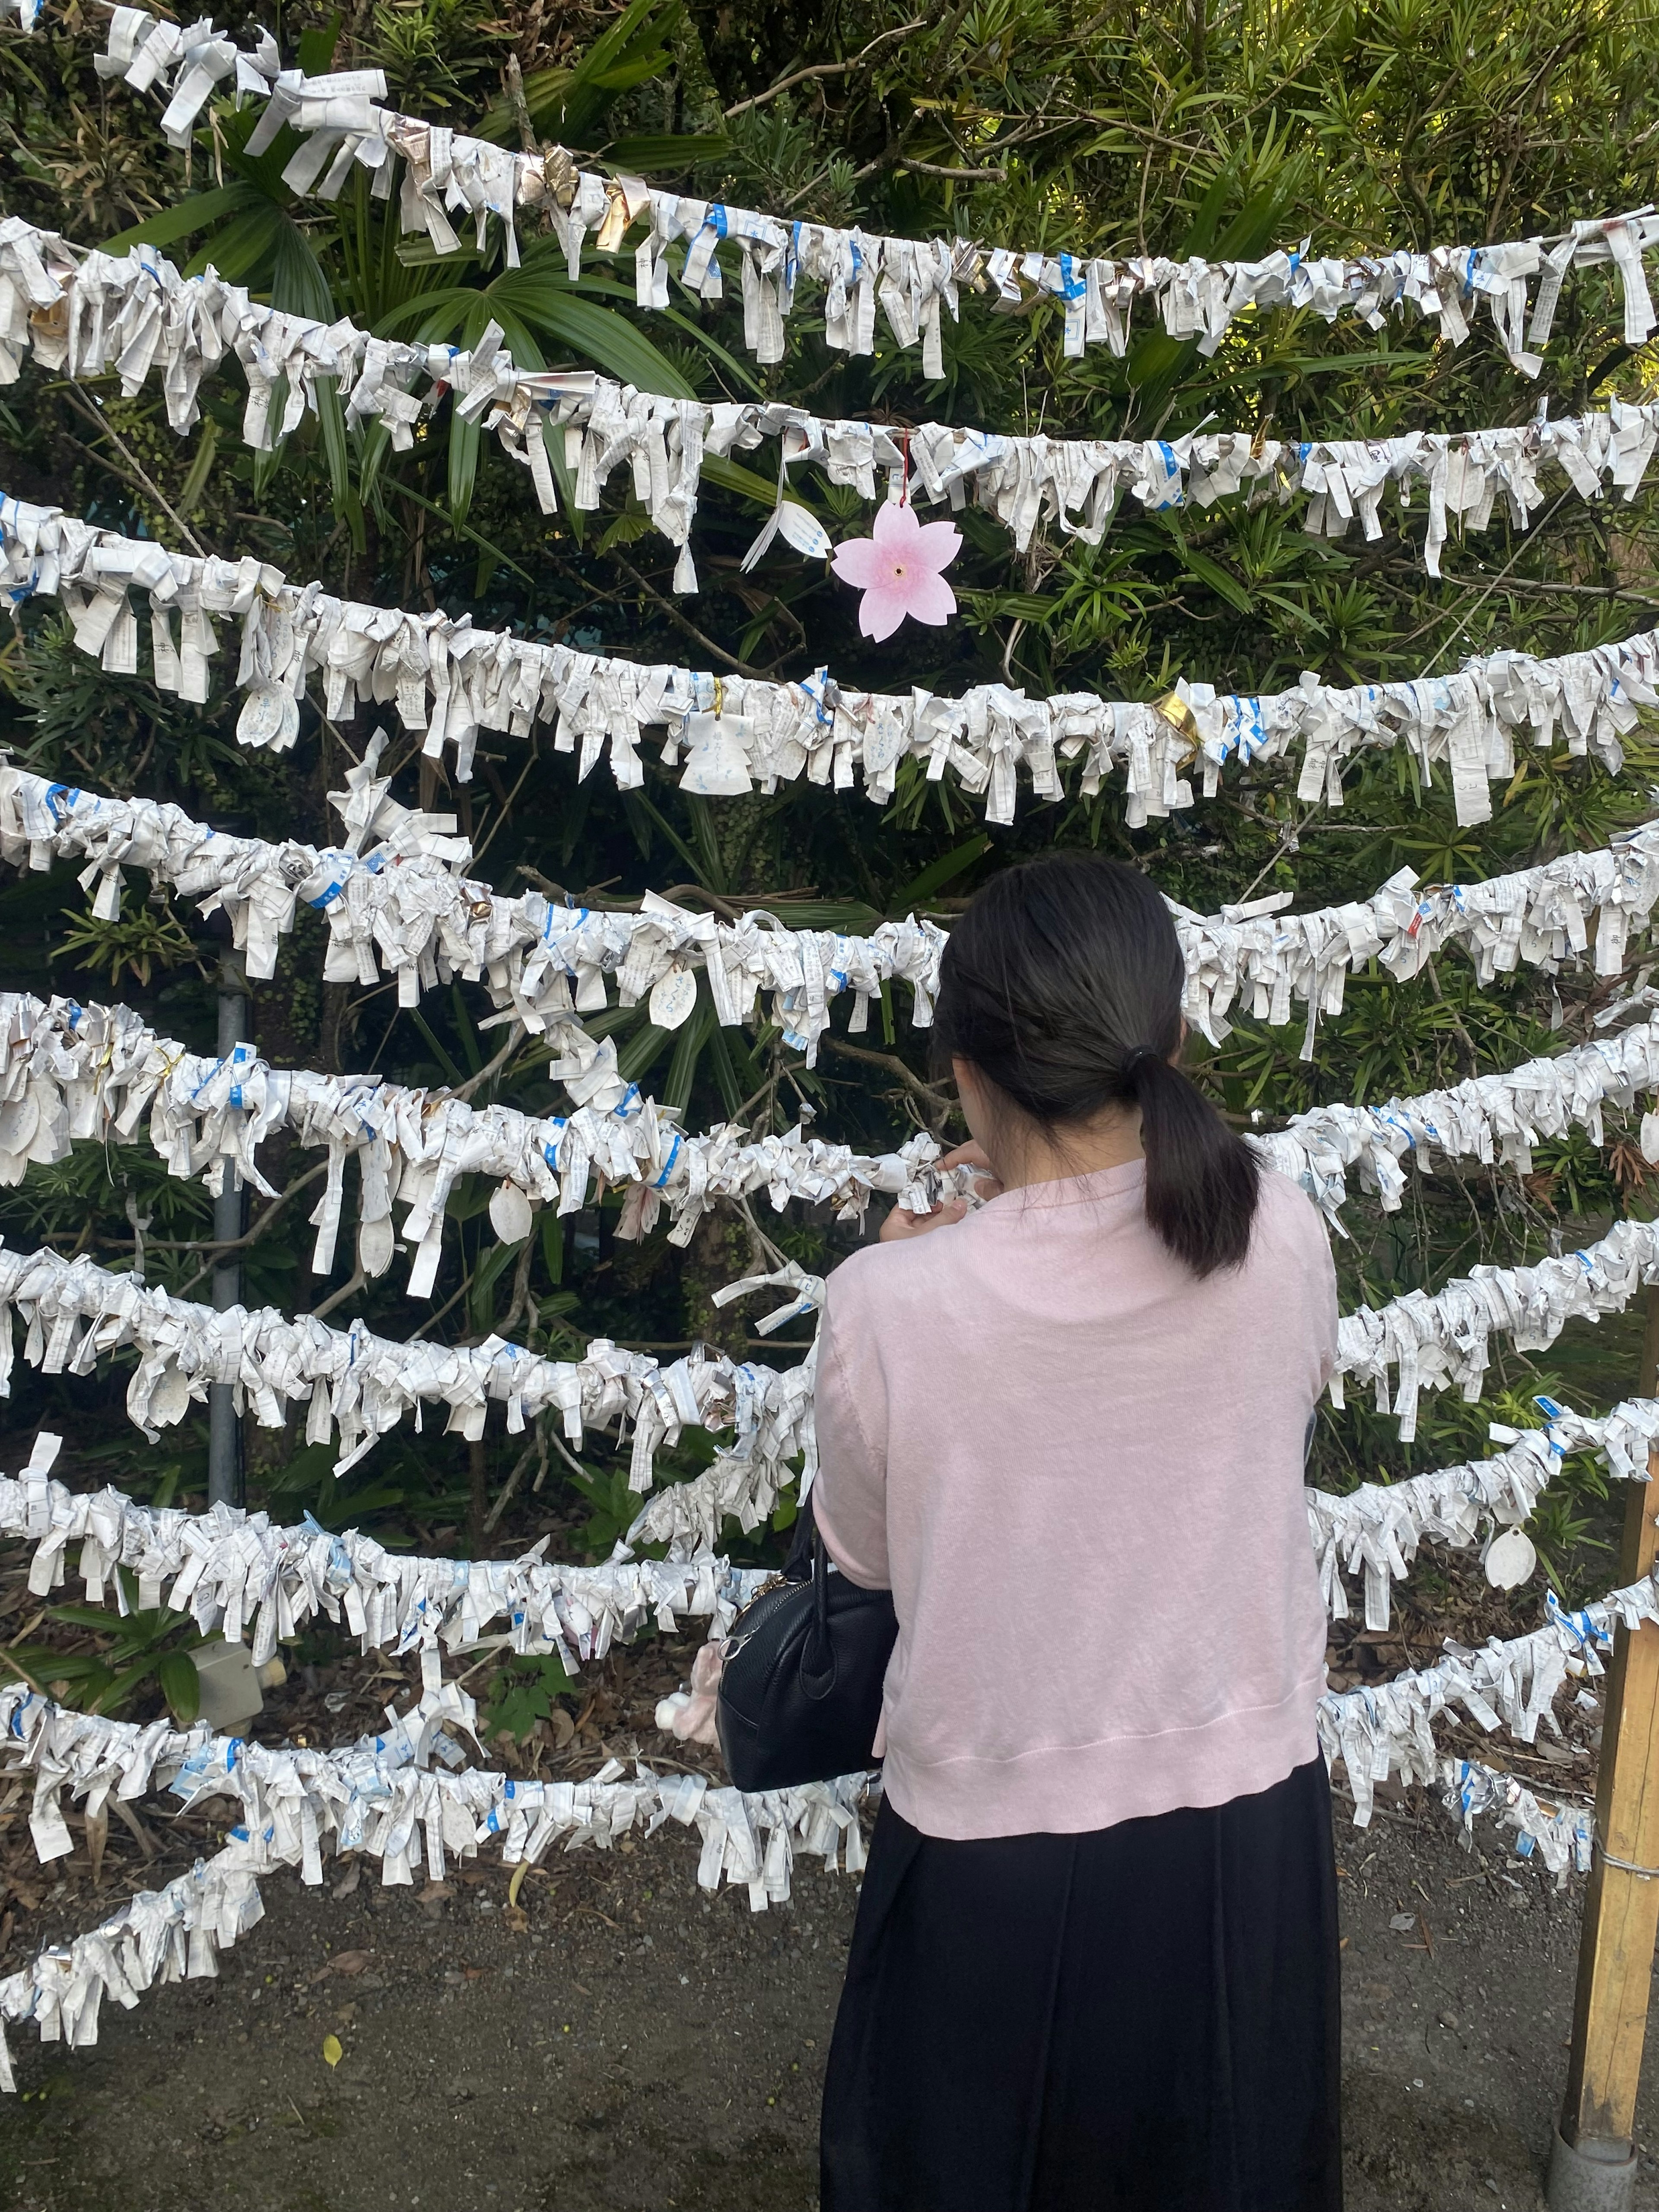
(621, 2042)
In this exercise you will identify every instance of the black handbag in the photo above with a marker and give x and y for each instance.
(801, 1691)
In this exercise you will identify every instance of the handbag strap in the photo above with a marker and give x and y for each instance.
(808, 1561)
(817, 1658)
(798, 1567)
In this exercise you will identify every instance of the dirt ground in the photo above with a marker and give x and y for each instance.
(618, 2042)
(623, 2042)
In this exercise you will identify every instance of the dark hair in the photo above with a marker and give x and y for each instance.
(1061, 984)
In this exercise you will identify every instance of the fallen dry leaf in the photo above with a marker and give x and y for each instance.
(333, 2050)
(349, 1962)
(434, 1892)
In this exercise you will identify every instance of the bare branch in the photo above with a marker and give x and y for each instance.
(958, 176)
(937, 1105)
(99, 421)
(825, 69)
(515, 1031)
(354, 1282)
(520, 105)
(252, 1234)
(668, 607)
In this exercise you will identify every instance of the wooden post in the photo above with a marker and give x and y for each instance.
(225, 1472)
(1593, 2164)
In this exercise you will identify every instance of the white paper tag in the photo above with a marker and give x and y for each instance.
(800, 528)
(509, 1213)
(886, 739)
(19, 1120)
(269, 718)
(718, 764)
(170, 1399)
(673, 996)
(375, 1245)
(1510, 1559)
(279, 635)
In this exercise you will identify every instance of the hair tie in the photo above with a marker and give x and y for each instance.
(1137, 1060)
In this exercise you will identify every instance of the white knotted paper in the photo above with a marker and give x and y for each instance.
(1432, 1340)
(449, 681)
(441, 173)
(1387, 1728)
(1495, 1120)
(1563, 1833)
(238, 1575)
(1374, 1531)
(359, 1385)
(404, 902)
(94, 313)
(69, 1072)
(379, 1796)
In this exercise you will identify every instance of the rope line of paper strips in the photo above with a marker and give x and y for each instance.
(239, 1575)
(440, 173)
(358, 1385)
(450, 682)
(395, 895)
(379, 1796)
(88, 313)
(84, 1073)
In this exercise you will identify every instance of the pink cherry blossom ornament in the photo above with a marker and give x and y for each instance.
(898, 570)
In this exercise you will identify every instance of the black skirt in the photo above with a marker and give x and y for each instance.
(1144, 2019)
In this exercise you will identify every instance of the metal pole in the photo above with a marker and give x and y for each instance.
(1593, 2161)
(229, 1221)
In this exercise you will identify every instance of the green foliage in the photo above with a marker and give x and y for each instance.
(522, 1692)
(137, 943)
(613, 1504)
(148, 1646)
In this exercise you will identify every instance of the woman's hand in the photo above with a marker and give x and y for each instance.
(900, 1222)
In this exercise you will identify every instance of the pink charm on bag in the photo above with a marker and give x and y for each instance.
(690, 1715)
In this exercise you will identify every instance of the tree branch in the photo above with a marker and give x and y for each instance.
(515, 1031)
(667, 606)
(84, 406)
(825, 69)
(956, 176)
(935, 1101)
(355, 1281)
(252, 1234)
(520, 105)
(1577, 591)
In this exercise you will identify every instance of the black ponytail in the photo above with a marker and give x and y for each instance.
(1061, 984)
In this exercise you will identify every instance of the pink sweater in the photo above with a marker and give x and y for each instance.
(1079, 1470)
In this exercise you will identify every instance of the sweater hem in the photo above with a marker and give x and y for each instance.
(1076, 1789)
